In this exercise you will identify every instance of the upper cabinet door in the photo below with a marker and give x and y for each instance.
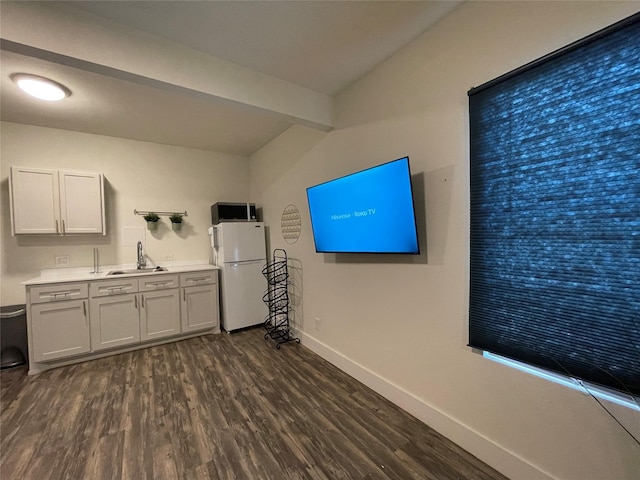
(81, 202)
(56, 202)
(35, 203)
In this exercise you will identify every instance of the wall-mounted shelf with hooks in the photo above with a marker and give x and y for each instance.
(168, 214)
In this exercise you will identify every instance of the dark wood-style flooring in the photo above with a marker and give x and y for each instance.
(215, 407)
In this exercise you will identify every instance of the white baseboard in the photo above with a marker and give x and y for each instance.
(503, 460)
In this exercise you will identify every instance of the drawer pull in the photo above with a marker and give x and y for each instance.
(118, 288)
(58, 294)
(201, 279)
(159, 284)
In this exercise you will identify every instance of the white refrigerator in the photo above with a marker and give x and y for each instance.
(239, 250)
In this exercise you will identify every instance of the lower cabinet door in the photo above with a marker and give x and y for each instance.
(160, 314)
(199, 307)
(60, 329)
(115, 321)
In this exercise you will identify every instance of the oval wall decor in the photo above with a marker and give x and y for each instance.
(290, 224)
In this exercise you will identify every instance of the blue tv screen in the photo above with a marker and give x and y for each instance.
(370, 211)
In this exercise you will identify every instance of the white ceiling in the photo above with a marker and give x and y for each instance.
(322, 46)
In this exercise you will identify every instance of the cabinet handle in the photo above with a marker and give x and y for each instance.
(135, 301)
(58, 294)
(184, 295)
(63, 227)
(57, 230)
(118, 287)
(142, 297)
(84, 311)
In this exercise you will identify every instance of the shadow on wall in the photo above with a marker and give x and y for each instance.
(267, 235)
(432, 201)
(296, 320)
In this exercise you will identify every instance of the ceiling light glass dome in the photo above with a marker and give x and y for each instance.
(40, 87)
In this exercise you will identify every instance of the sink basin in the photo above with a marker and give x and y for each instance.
(137, 270)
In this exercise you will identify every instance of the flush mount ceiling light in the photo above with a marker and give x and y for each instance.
(40, 87)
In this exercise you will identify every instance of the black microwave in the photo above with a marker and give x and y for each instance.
(233, 212)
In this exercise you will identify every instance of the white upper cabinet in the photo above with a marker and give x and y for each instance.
(35, 201)
(81, 202)
(56, 202)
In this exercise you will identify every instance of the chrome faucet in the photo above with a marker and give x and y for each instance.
(141, 261)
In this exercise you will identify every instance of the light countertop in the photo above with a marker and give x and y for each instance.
(84, 274)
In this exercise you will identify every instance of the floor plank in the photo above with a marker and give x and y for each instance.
(228, 407)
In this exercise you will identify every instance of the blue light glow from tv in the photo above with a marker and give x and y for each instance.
(370, 211)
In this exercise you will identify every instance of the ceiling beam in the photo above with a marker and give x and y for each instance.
(75, 38)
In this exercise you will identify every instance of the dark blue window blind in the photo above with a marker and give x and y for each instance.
(555, 206)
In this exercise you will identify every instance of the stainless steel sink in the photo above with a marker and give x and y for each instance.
(137, 271)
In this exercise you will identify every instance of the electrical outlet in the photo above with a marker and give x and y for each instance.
(317, 323)
(167, 256)
(62, 260)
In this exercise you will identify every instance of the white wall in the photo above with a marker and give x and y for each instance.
(401, 325)
(139, 175)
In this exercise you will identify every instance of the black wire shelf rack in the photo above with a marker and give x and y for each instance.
(276, 297)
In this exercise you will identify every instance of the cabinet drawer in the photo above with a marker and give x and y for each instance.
(157, 282)
(113, 287)
(58, 291)
(198, 278)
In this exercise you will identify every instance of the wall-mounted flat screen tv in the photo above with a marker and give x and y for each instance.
(370, 211)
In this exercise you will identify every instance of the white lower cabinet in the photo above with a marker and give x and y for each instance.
(59, 329)
(115, 316)
(199, 307)
(77, 321)
(199, 303)
(120, 316)
(160, 314)
(115, 321)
